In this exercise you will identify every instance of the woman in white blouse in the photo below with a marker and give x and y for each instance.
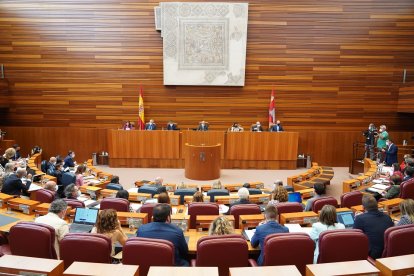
(327, 221)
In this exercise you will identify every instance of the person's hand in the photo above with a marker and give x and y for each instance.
(357, 213)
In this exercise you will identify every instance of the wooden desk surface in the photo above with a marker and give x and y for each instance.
(342, 268)
(179, 271)
(17, 215)
(396, 266)
(301, 217)
(80, 268)
(287, 270)
(16, 264)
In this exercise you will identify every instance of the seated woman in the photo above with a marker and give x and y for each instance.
(327, 221)
(198, 197)
(407, 212)
(220, 226)
(394, 190)
(279, 195)
(72, 191)
(397, 170)
(164, 198)
(109, 225)
(80, 170)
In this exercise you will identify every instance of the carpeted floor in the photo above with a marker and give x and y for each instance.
(128, 176)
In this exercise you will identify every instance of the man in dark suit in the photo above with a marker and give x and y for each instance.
(17, 155)
(277, 127)
(271, 226)
(203, 126)
(373, 223)
(69, 160)
(257, 127)
(161, 228)
(243, 194)
(391, 152)
(151, 125)
(14, 184)
(171, 125)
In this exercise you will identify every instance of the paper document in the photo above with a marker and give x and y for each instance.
(82, 198)
(135, 206)
(223, 209)
(248, 234)
(94, 181)
(297, 228)
(133, 190)
(34, 187)
(88, 177)
(380, 186)
(89, 202)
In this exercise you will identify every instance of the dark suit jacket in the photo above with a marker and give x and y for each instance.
(68, 162)
(14, 186)
(274, 128)
(171, 127)
(238, 202)
(374, 224)
(150, 127)
(255, 128)
(202, 128)
(169, 232)
(262, 231)
(391, 155)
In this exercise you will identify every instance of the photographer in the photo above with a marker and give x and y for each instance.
(370, 135)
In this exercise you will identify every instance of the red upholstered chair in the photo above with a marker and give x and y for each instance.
(85, 247)
(320, 202)
(351, 199)
(243, 209)
(45, 196)
(118, 204)
(147, 252)
(201, 208)
(342, 246)
(223, 252)
(289, 207)
(74, 203)
(289, 249)
(398, 240)
(147, 208)
(32, 239)
(407, 189)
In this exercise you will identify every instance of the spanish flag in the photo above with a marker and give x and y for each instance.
(141, 120)
(272, 109)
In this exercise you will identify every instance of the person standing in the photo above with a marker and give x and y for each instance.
(69, 160)
(381, 141)
(391, 153)
(370, 134)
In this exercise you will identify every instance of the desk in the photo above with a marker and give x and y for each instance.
(396, 266)
(250, 221)
(3, 200)
(25, 205)
(96, 269)
(391, 206)
(17, 215)
(287, 270)
(299, 217)
(204, 221)
(342, 268)
(18, 264)
(179, 271)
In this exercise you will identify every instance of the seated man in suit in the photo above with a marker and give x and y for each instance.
(243, 194)
(257, 127)
(151, 125)
(161, 228)
(202, 126)
(69, 160)
(271, 226)
(391, 152)
(236, 127)
(171, 125)
(51, 186)
(17, 183)
(373, 223)
(276, 127)
(320, 191)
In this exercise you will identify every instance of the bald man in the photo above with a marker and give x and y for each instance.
(51, 186)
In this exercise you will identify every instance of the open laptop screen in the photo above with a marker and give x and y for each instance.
(86, 216)
(346, 218)
(295, 197)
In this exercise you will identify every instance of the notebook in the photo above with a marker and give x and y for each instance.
(84, 220)
(294, 197)
(346, 218)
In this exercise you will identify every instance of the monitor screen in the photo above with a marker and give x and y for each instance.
(346, 218)
(295, 197)
(86, 216)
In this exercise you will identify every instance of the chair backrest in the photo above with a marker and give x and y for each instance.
(85, 247)
(289, 249)
(254, 191)
(32, 239)
(184, 192)
(350, 199)
(147, 208)
(398, 240)
(44, 166)
(68, 178)
(342, 246)
(288, 207)
(201, 208)
(114, 186)
(320, 202)
(407, 189)
(217, 192)
(243, 209)
(147, 252)
(44, 196)
(223, 252)
(74, 203)
(148, 189)
(118, 204)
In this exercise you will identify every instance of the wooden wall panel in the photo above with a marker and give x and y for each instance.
(335, 65)
(406, 99)
(4, 99)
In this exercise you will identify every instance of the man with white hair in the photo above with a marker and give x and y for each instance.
(17, 183)
(243, 194)
(158, 181)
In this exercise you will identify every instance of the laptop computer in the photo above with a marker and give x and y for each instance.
(84, 220)
(346, 218)
(294, 197)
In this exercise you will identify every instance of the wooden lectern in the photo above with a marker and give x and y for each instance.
(202, 162)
